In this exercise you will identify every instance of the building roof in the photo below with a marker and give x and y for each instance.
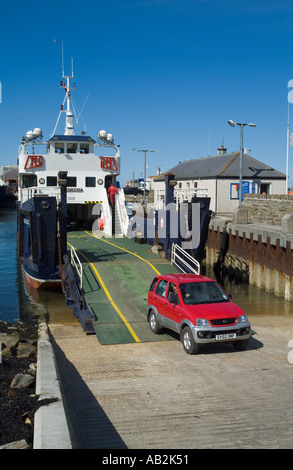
(223, 166)
(11, 174)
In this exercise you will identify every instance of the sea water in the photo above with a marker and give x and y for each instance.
(9, 281)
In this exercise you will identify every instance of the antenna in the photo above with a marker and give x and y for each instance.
(62, 61)
(209, 139)
(82, 107)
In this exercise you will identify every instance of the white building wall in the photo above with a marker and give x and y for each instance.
(224, 203)
(278, 187)
(218, 190)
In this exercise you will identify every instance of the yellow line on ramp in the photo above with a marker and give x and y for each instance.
(124, 249)
(125, 321)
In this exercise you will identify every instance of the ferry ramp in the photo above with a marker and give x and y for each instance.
(117, 273)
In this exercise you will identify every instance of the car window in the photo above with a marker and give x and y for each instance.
(161, 288)
(172, 292)
(202, 292)
(154, 282)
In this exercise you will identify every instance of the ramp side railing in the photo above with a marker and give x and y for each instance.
(183, 260)
(75, 261)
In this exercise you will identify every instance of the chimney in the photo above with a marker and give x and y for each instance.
(222, 150)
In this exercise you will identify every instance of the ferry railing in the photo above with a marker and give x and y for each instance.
(121, 211)
(28, 193)
(180, 195)
(183, 260)
(75, 261)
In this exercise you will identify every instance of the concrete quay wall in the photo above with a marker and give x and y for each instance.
(260, 254)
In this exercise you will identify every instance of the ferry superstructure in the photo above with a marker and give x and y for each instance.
(74, 161)
(89, 174)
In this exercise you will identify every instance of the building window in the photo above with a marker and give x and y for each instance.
(51, 180)
(71, 181)
(195, 184)
(90, 182)
(84, 148)
(180, 185)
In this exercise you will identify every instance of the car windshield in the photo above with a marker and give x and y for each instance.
(202, 292)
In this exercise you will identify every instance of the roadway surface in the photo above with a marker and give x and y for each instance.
(155, 396)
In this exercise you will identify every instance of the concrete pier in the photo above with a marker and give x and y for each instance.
(151, 394)
(154, 396)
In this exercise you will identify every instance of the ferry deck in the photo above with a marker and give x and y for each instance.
(116, 276)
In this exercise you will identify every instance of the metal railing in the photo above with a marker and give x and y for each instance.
(75, 261)
(121, 211)
(183, 260)
(28, 193)
(180, 195)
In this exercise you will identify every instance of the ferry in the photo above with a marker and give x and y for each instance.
(85, 169)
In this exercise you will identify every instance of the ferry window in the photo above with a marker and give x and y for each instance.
(51, 180)
(90, 181)
(71, 181)
(71, 148)
(59, 147)
(84, 148)
(29, 180)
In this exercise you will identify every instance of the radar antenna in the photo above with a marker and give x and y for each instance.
(65, 83)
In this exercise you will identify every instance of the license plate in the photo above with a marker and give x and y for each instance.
(226, 336)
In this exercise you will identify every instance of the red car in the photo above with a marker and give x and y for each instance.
(198, 309)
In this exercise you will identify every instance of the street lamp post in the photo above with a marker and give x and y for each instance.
(145, 151)
(233, 124)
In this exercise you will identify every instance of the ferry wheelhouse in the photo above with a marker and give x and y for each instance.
(87, 174)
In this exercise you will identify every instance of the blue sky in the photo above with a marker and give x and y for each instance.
(159, 74)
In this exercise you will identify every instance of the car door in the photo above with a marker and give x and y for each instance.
(160, 299)
(172, 307)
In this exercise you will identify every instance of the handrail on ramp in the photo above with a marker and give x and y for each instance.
(75, 261)
(183, 260)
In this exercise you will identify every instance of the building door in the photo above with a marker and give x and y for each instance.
(264, 188)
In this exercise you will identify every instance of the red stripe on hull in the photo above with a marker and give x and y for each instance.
(42, 283)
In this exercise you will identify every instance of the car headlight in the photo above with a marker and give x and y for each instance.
(202, 322)
(242, 318)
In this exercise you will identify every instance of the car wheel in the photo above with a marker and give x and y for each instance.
(241, 345)
(154, 324)
(187, 339)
